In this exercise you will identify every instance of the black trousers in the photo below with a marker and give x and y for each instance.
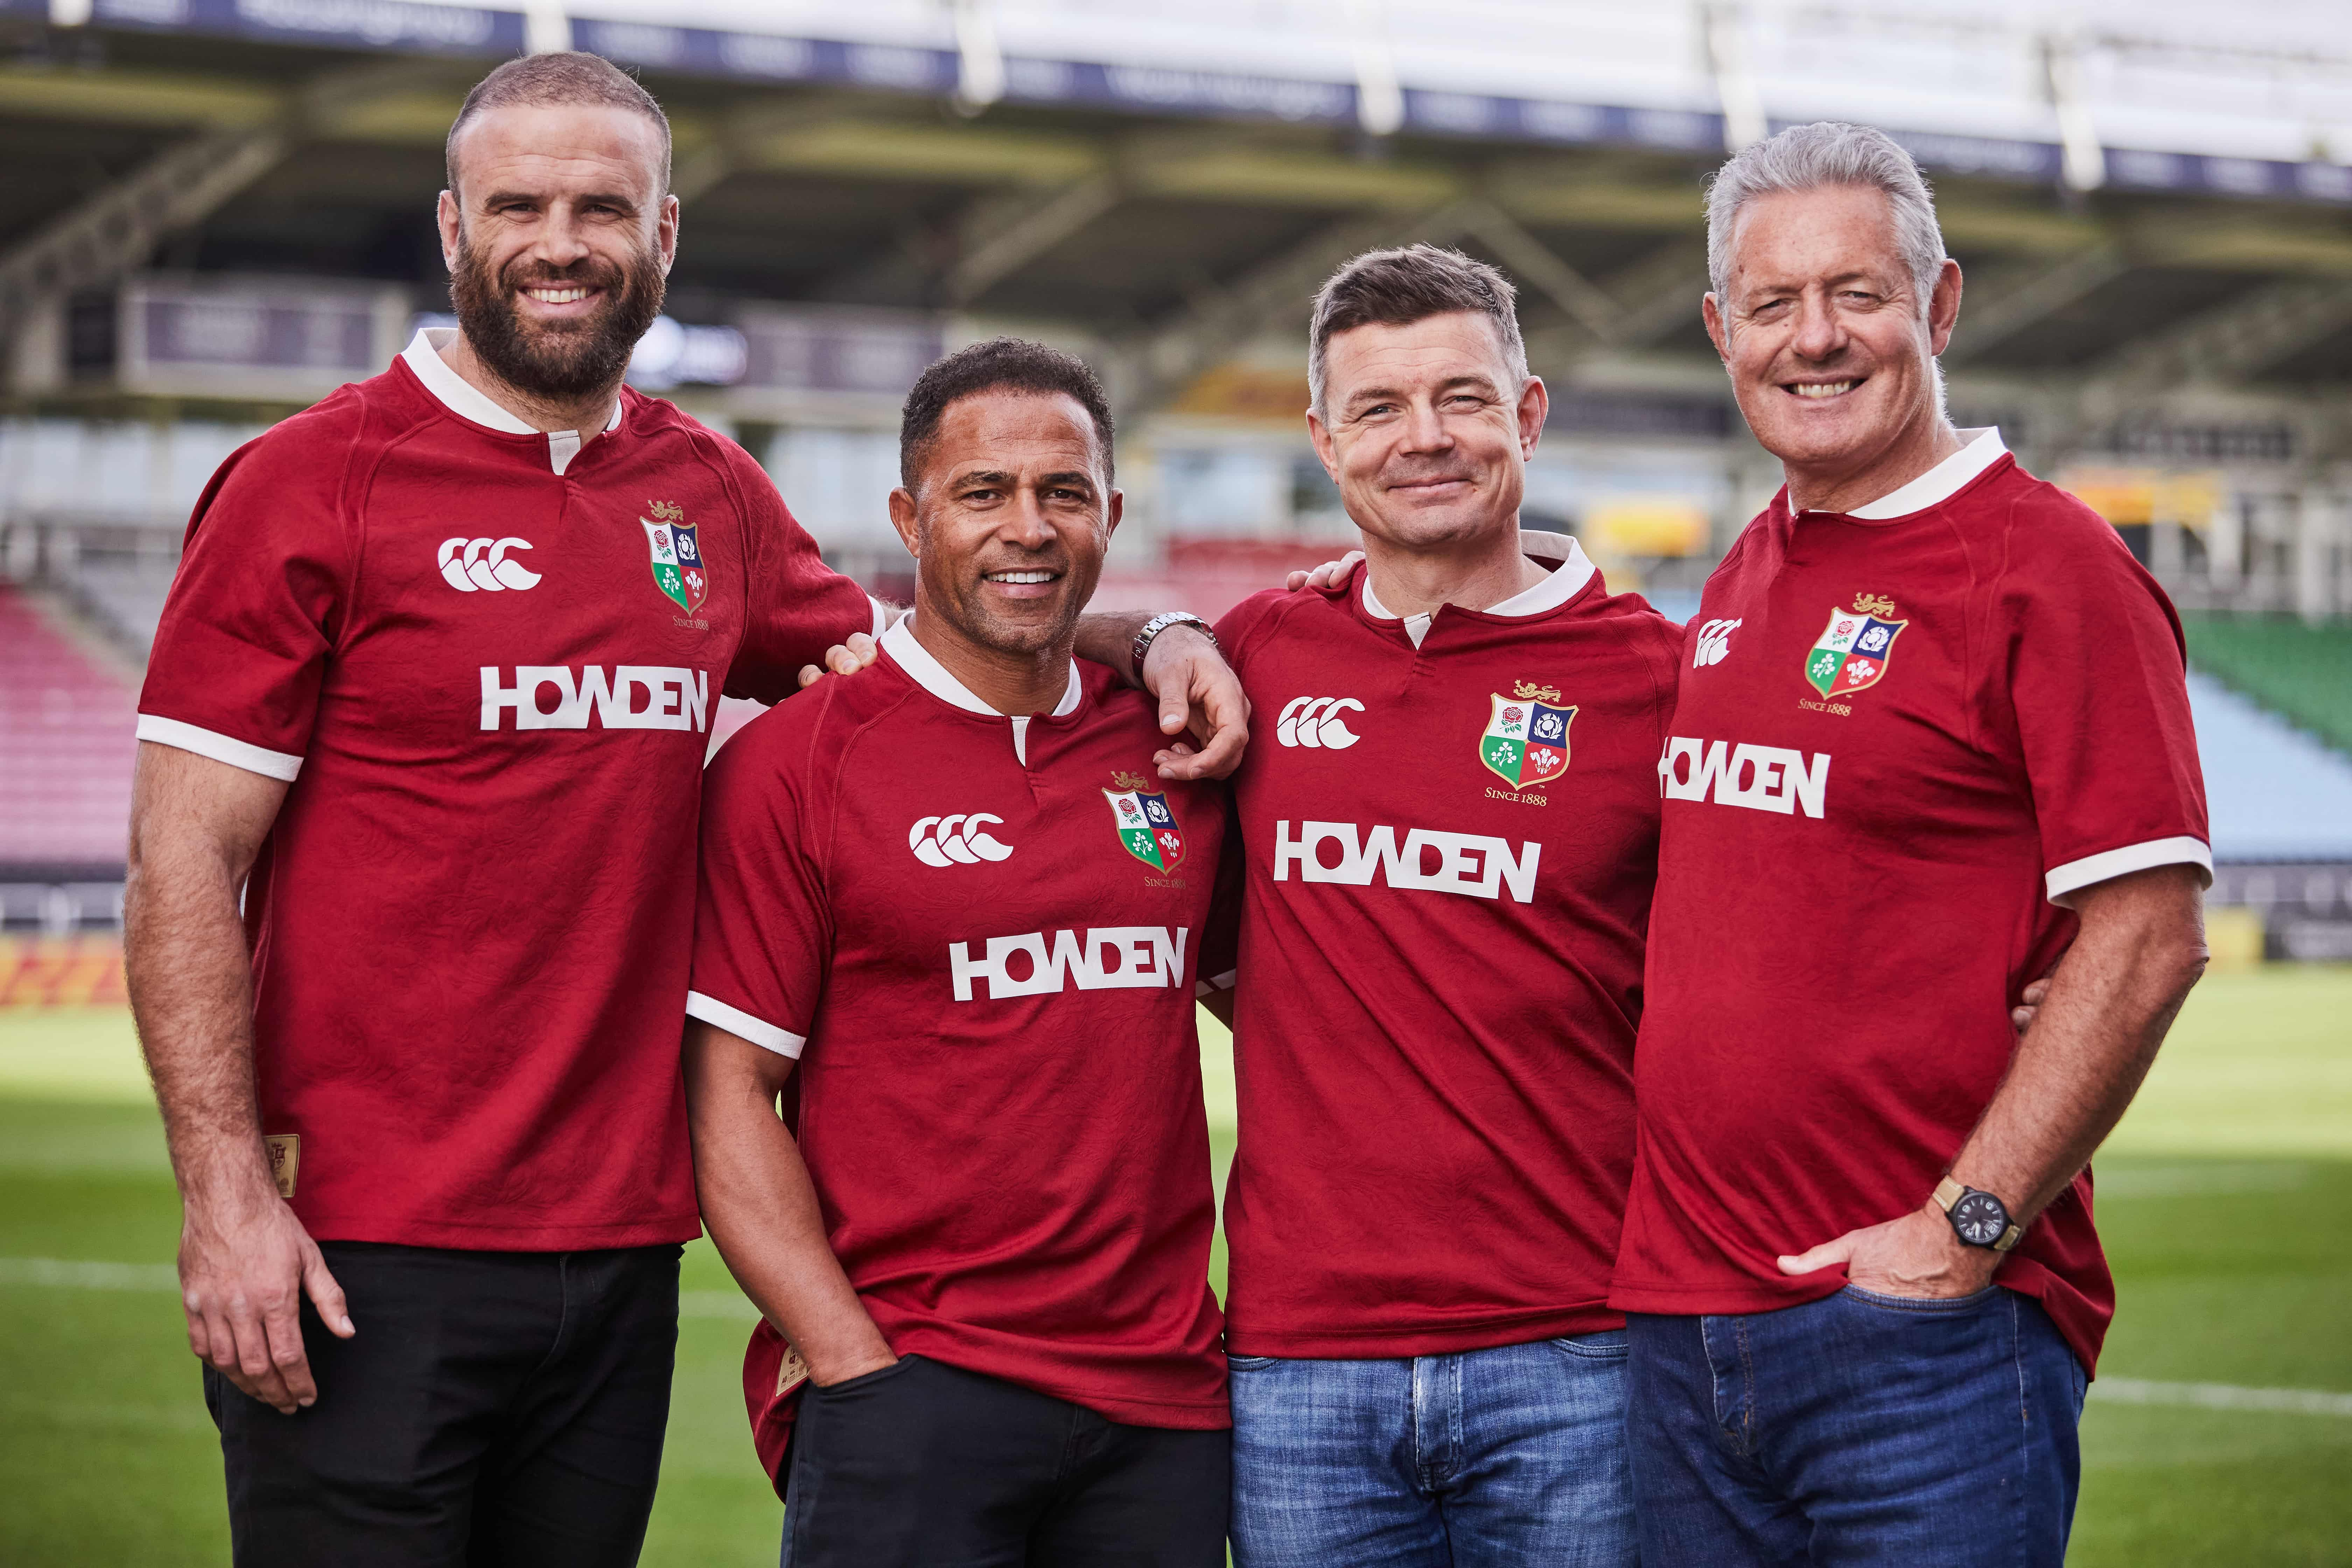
(495, 1408)
(925, 1464)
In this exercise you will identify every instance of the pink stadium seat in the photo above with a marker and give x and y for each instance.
(65, 746)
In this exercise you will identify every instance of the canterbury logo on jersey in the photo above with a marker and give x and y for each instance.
(1102, 958)
(956, 840)
(1761, 778)
(1713, 643)
(1471, 863)
(481, 565)
(630, 697)
(1316, 721)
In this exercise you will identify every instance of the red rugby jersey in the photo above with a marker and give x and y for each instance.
(486, 659)
(978, 935)
(1450, 825)
(1904, 736)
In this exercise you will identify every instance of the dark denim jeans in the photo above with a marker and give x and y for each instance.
(1858, 1428)
(1510, 1456)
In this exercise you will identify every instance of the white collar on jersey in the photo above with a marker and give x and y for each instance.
(1979, 449)
(932, 676)
(463, 398)
(1565, 581)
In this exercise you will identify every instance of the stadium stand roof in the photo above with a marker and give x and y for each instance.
(1168, 182)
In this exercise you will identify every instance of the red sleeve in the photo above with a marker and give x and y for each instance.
(798, 607)
(762, 923)
(262, 590)
(2090, 671)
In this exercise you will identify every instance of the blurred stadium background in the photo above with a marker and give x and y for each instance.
(213, 211)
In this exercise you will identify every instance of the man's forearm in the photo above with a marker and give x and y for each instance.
(1108, 637)
(2140, 950)
(762, 1210)
(191, 985)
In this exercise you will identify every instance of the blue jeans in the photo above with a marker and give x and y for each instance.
(1857, 1428)
(1513, 1455)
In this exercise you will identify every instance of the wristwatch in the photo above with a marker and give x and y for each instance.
(1978, 1219)
(1157, 624)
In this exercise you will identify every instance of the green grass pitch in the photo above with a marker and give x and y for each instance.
(2226, 1200)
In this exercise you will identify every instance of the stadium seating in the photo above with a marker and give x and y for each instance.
(125, 598)
(65, 746)
(2275, 793)
(2302, 672)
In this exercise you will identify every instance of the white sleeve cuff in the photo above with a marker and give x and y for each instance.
(219, 748)
(1214, 984)
(735, 1021)
(2090, 869)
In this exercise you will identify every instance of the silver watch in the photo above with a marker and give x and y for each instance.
(1161, 623)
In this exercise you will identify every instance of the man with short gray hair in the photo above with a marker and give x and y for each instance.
(1931, 737)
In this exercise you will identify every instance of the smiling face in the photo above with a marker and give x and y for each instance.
(1009, 519)
(1426, 430)
(1821, 326)
(558, 240)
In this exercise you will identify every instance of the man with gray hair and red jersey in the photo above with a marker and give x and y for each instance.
(411, 894)
(1932, 734)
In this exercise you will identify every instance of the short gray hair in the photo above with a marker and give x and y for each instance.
(1396, 287)
(1812, 157)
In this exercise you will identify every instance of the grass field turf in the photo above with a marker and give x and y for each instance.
(2226, 1202)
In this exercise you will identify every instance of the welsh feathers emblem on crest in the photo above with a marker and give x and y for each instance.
(1146, 827)
(1852, 649)
(1526, 742)
(678, 569)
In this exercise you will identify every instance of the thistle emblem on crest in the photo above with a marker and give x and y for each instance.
(1147, 828)
(1852, 649)
(1525, 739)
(674, 547)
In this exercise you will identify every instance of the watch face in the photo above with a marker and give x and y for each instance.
(1980, 1218)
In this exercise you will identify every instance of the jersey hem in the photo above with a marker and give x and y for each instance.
(1168, 1414)
(2092, 870)
(1711, 1301)
(735, 1021)
(186, 737)
(1355, 1345)
(460, 1236)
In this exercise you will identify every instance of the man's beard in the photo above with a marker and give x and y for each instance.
(563, 363)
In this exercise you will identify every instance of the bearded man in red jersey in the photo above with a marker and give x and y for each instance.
(1931, 729)
(431, 697)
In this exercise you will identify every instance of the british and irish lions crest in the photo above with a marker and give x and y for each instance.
(678, 569)
(1526, 742)
(1146, 827)
(1852, 649)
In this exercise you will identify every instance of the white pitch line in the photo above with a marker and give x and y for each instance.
(77, 1274)
(2222, 1396)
